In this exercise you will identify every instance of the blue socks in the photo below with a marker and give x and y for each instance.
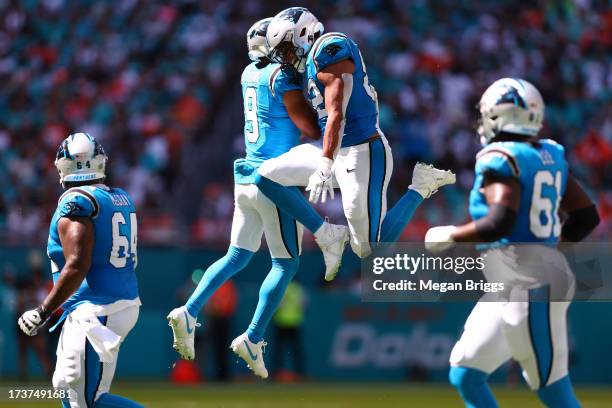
(270, 294)
(216, 275)
(472, 386)
(291, 201)
(559, 394)
(115, 401)
(398, 217)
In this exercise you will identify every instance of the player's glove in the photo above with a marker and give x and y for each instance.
(30, 321)
(320, 183)
(438, 239)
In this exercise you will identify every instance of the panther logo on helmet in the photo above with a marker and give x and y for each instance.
(291, 34)
(256, 39)
(510, 105)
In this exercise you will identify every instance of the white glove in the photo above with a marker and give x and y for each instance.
(30, 321)
(320, 183)
(438, 239)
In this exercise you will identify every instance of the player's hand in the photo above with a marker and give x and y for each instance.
(438, 239)
(30, 321)
(320, 183)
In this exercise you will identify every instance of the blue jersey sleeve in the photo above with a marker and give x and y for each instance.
(285, 78)
(497, 162)
(78, 202)
(332, 50)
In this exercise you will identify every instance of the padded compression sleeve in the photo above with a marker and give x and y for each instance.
(497, 223)
(579, 224)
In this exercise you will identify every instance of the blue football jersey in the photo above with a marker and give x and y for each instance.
(268, 130)
(112, 274)
(361, 115)
(541, 170)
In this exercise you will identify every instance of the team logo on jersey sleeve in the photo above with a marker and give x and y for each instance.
(332, 49)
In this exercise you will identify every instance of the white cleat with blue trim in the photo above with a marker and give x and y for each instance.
(426, 179)
(183, 329)
(251, 353)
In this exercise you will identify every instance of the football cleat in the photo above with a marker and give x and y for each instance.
(251, 353)
(183, 329)
(426, 179)
(332, 240)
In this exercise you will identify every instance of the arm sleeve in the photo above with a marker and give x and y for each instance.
(331, 51)
(497, 163)
(78, 203)
(580, 224)
(498, 223)
(285, 79)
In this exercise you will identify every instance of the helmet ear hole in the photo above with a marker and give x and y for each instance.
(303, 32)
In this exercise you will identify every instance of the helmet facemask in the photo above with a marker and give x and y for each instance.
(288, 54)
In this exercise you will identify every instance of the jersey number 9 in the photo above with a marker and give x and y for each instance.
(251, 124)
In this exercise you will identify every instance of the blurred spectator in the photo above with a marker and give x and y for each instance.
(288, 321)
(219, 311)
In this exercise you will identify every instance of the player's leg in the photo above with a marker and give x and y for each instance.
(247, 229)
(426, 180)
(78, 368)
(481, 349)
(278, 176)
(283, 236)
(363, 173)
(100, 376)
(275, 178)
(245, 240)
(537, 334)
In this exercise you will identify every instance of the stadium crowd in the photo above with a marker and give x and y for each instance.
(158, 84)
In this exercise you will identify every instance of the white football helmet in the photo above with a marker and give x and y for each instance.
(80, 158)
(291, 34)
(256, 39)
(510, 105)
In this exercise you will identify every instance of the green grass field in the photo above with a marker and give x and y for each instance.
(165, 395)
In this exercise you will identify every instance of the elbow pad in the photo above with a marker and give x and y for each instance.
(496, 224)
(579, 224)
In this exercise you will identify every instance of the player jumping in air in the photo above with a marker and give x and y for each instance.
(522, 185)
(355, 154)
(275, 114)
(92, 247)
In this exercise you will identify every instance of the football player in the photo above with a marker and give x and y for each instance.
(522, 186)
(275, 113)
(92, 247)
(355, 152)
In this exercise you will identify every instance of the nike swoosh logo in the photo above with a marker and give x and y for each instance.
(189, 329)
(350, 170)
(253, 356)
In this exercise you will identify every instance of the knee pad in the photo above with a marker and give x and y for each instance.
(464, 378)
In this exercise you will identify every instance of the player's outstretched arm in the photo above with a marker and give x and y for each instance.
(301, 114)
(503, 196)
(582, 216)
(77, 239)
